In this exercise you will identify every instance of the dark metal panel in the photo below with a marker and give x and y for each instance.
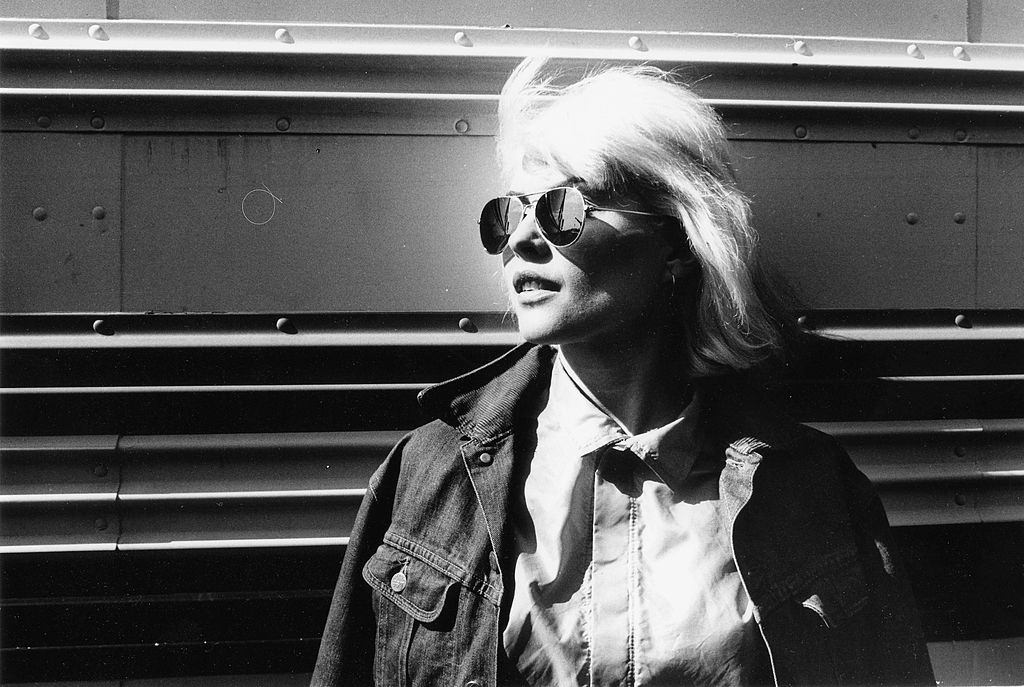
(866, 226)
(354, 223)
(938, 19)
(60, 234)
(49, 469)
(58, 526)
(1001, 227)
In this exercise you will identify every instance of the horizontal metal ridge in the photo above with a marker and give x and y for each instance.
(212, 388)
(468, 42)
(473, 100)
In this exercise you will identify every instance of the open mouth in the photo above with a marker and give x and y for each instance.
(526, 282)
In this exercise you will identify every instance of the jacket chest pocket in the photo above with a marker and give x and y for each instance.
(423, 620)
(832, 623)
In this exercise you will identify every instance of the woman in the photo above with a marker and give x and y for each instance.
(608, 504)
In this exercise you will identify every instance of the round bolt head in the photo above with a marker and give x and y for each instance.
(800, 131)
(912, 218)
(96, 32)
(398, 582)
(959, 217)
(960, 451)
(38, 32)
(100, 523)
(284, 35)
(801, 48)
(43, 121)
(914, 51)
(286, 325)
(913, 132)
(283, 124)
(99, 212)
(461, 126)
(960, 500)
(103, 328)
(97, 122)
(637, 43)
(960, 135)
(961, 54)
(100, 471)
(962, 321)
(462, 39)
(40, 213)
(467, 325)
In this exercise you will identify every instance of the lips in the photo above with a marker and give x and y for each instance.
(525, 282)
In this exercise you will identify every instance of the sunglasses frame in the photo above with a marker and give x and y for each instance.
(525, 201)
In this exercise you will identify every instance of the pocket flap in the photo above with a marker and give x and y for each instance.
(414, 586)
(837, 594)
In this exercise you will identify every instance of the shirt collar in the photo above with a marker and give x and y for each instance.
(669, 451)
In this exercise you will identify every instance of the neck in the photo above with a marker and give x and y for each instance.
(643, 382)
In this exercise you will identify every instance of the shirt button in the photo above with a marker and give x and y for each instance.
(485, 458)
(398, 582)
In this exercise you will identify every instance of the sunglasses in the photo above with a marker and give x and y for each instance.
(561, 214)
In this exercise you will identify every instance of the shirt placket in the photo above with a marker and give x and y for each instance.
(614, 584)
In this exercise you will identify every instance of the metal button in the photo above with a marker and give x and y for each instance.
(485, 458)
(398, 582)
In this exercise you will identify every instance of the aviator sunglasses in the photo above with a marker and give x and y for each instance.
(561, 214)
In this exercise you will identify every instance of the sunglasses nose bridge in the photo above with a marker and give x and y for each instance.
(526, 236)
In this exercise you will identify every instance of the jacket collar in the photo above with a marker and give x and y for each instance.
(483, 403)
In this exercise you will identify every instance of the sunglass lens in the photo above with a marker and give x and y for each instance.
(561, 213)
(498, 219)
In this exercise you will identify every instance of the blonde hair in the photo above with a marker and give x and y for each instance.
(637, 130)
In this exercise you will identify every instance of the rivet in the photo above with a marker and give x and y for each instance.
(912, 218)
(800, 131)
(962, 321)
(100, 471)
(485, 458)
(461, 126)
(801, 48)
(961, 54)
(283, 124)
(99, 212)
(100, 523)
(284, 35)
(914, 51)
(96, 32)
(97, 122)
(37, 31)
(802, 321)
(960, 451)
(913, 132)
(960, 135)
(959, 217)
(462, 39)
(286, 325)
(467, 325)
(637, 44)
(40, 213)
(960, 500)
(398, 582)
(102, 327)
(43, 121)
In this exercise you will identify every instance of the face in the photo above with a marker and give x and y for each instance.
(608, 287)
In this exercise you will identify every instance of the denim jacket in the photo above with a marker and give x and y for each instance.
(421, 594)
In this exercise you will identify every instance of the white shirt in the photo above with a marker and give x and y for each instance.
(624, 574)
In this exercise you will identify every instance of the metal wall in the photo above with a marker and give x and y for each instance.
(230, 254)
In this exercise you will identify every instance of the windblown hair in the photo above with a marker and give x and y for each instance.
(638, 131)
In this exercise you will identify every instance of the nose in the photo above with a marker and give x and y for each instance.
(526, 240)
